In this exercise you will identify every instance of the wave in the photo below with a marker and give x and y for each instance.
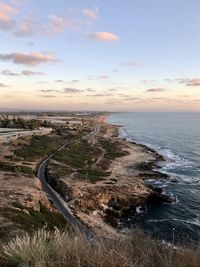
(173, 165)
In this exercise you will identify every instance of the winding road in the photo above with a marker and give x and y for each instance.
(60, 204)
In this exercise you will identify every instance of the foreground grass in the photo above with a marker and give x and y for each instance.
(59, 249)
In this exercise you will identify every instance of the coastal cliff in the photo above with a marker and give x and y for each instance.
(120, 169)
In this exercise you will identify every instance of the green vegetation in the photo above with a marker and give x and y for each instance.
(19, 123)
(78, 154)
(27, 219)
(40, 146)
(10, 167)
(113, 149)
(93, 176)
(59, 249)
(61, 170)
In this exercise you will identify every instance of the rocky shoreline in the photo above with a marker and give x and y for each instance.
(101, 205)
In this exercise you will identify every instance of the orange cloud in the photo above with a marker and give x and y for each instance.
(6, 11)
(24, 30)
(59, 24)
(32, 59)
(105, 36)
(193, 82)
(91, 14)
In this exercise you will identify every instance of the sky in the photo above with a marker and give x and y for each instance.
(100, 55)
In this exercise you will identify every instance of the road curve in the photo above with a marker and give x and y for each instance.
(60, 204)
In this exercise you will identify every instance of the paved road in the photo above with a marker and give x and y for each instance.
(60, 204)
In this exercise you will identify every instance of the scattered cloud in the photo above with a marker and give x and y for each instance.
(92, 14)
(6, 13)
(149, 81)
(156, 90)
(72, 91)
(97, 95)
(91, 90)
(104, 77)
(9, 73)
(32, 59)
(24, 72)
(48, 90)
(62, 91)
(32, 73)
(75, 81)
(129, 64)
(193, 82)
(186, 81)
(115, 70)
(59, 81)
(59, 24)
(26, 27)
(132, 98)
(48, 96)
(104, 36)
(169, 80)
(3, 85)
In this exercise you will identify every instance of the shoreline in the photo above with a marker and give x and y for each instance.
(101, 205)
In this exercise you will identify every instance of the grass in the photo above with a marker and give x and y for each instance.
(77, 154)
(60, 249)
(10, 167)
(28, 219)
(93, 176)
(40, 146)
(61, 170)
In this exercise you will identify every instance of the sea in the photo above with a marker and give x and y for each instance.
(176, 136)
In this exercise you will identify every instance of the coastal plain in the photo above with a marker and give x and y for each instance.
(99, 175)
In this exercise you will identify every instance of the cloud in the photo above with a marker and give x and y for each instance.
(72, 91)
(24, 29)
(48, 96)
(32, 73)
(3, 85)
(90, 90)
(129, 64)
(193, 82)
(149, 81)
(104, 77)
(155, 90)
(9, 73)
(115, 70)
(59, 24)
(48, 90)
(6, 13)
(75, 81)
(24, 72)
(62, 91)
(59, 81)
(132, 98)
(91, 13)
(32, 59)
(105, 36)
(97, 95)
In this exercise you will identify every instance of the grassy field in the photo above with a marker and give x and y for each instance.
(10, 167)
(39, 147)
(61, 249)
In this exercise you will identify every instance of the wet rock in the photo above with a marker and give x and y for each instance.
(159, 196)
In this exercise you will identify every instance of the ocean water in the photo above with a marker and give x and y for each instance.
(177, 137)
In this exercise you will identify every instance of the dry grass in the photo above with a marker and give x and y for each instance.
(59, 249)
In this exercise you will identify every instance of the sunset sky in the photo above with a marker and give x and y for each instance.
(100, 55)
